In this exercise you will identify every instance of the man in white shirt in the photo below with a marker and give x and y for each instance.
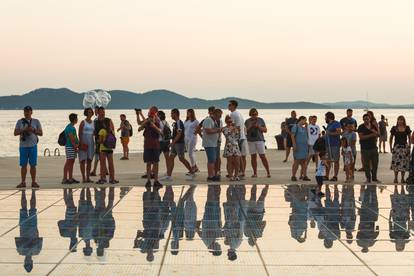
(314, 133)
(238, 121)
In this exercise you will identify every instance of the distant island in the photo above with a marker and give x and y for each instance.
(64, 98)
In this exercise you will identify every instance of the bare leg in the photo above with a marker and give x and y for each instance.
(254, 163)
(23, 173)
(265, 163)
(111, 167)
(82, 169)
(33, 174)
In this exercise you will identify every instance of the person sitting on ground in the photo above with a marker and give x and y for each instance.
(255, 128)
(71, 149)
(126, 132)
(28, 129)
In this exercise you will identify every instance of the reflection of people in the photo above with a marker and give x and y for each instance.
(86, 220)
(398, 219)
(255, 224)
(104, 228)
(190, 214)
(332, 217)
(299, 215)
(148, 240)
(367, 230)
(209, 228)
(234, 215)
(68, 226)
(347, 212)
(29, 243)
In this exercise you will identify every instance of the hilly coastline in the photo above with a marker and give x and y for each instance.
(64, 98)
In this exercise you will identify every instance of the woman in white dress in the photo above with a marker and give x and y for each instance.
(87, 145)
(190, 137)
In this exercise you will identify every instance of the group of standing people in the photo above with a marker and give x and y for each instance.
(339, 138)
(240, 137)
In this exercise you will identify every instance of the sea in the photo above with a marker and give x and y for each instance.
(54, 121)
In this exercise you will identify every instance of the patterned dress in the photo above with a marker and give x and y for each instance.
(232, 142)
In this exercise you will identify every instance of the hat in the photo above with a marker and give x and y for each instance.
(28, 107)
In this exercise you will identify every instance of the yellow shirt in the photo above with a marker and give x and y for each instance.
(102, 136)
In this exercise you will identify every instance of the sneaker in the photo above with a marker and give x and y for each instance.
(305, 178)
(166, 178)
(113, 181)
(35, 185)
(100, 181)
(148, 184)
(293, 178)
(215, 178)
(157, 185)
(210, 179)
(21, 185)
(73, 180)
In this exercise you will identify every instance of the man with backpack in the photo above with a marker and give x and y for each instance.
(28, 129)
(177, 146)
(99, 124)
(126, 132)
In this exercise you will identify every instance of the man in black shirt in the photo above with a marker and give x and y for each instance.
(368, 139)
(290, 122)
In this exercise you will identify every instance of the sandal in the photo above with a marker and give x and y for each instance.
(100, 181)
(113, 181)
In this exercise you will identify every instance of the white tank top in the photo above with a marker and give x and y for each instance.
(88, 128)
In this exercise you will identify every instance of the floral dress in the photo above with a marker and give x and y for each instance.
(232, 142)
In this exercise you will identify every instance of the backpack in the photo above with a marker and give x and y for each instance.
(110, 141)
(320, 145)
(166, 133)
(62, 139)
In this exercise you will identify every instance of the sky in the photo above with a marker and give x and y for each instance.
(267, 50)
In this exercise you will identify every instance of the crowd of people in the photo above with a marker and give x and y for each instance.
(94, 141)
(339, 138)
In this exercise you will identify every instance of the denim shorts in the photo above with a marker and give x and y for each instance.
(211, 154)
(28, 155)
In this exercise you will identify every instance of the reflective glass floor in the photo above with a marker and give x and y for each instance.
(208, 230)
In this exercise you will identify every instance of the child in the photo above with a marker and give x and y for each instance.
(106, 154)
(348, 158)
(71, 148)
(320, 173)
(231, 149)
(350, 135)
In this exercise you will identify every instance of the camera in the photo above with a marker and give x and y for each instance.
(138, 109)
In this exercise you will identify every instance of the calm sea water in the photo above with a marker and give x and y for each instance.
(54, 121)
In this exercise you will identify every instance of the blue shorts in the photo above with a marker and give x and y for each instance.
(211, 154)
(28, 155)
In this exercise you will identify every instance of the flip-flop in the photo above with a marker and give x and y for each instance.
(21, 185)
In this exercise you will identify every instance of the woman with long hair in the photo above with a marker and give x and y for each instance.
(190, 137)
(86, 145)
(400, 145)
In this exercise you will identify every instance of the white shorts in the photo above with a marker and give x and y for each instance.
(257, 147)
(243, 147)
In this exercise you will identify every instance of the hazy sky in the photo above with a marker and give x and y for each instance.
(268, 50)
